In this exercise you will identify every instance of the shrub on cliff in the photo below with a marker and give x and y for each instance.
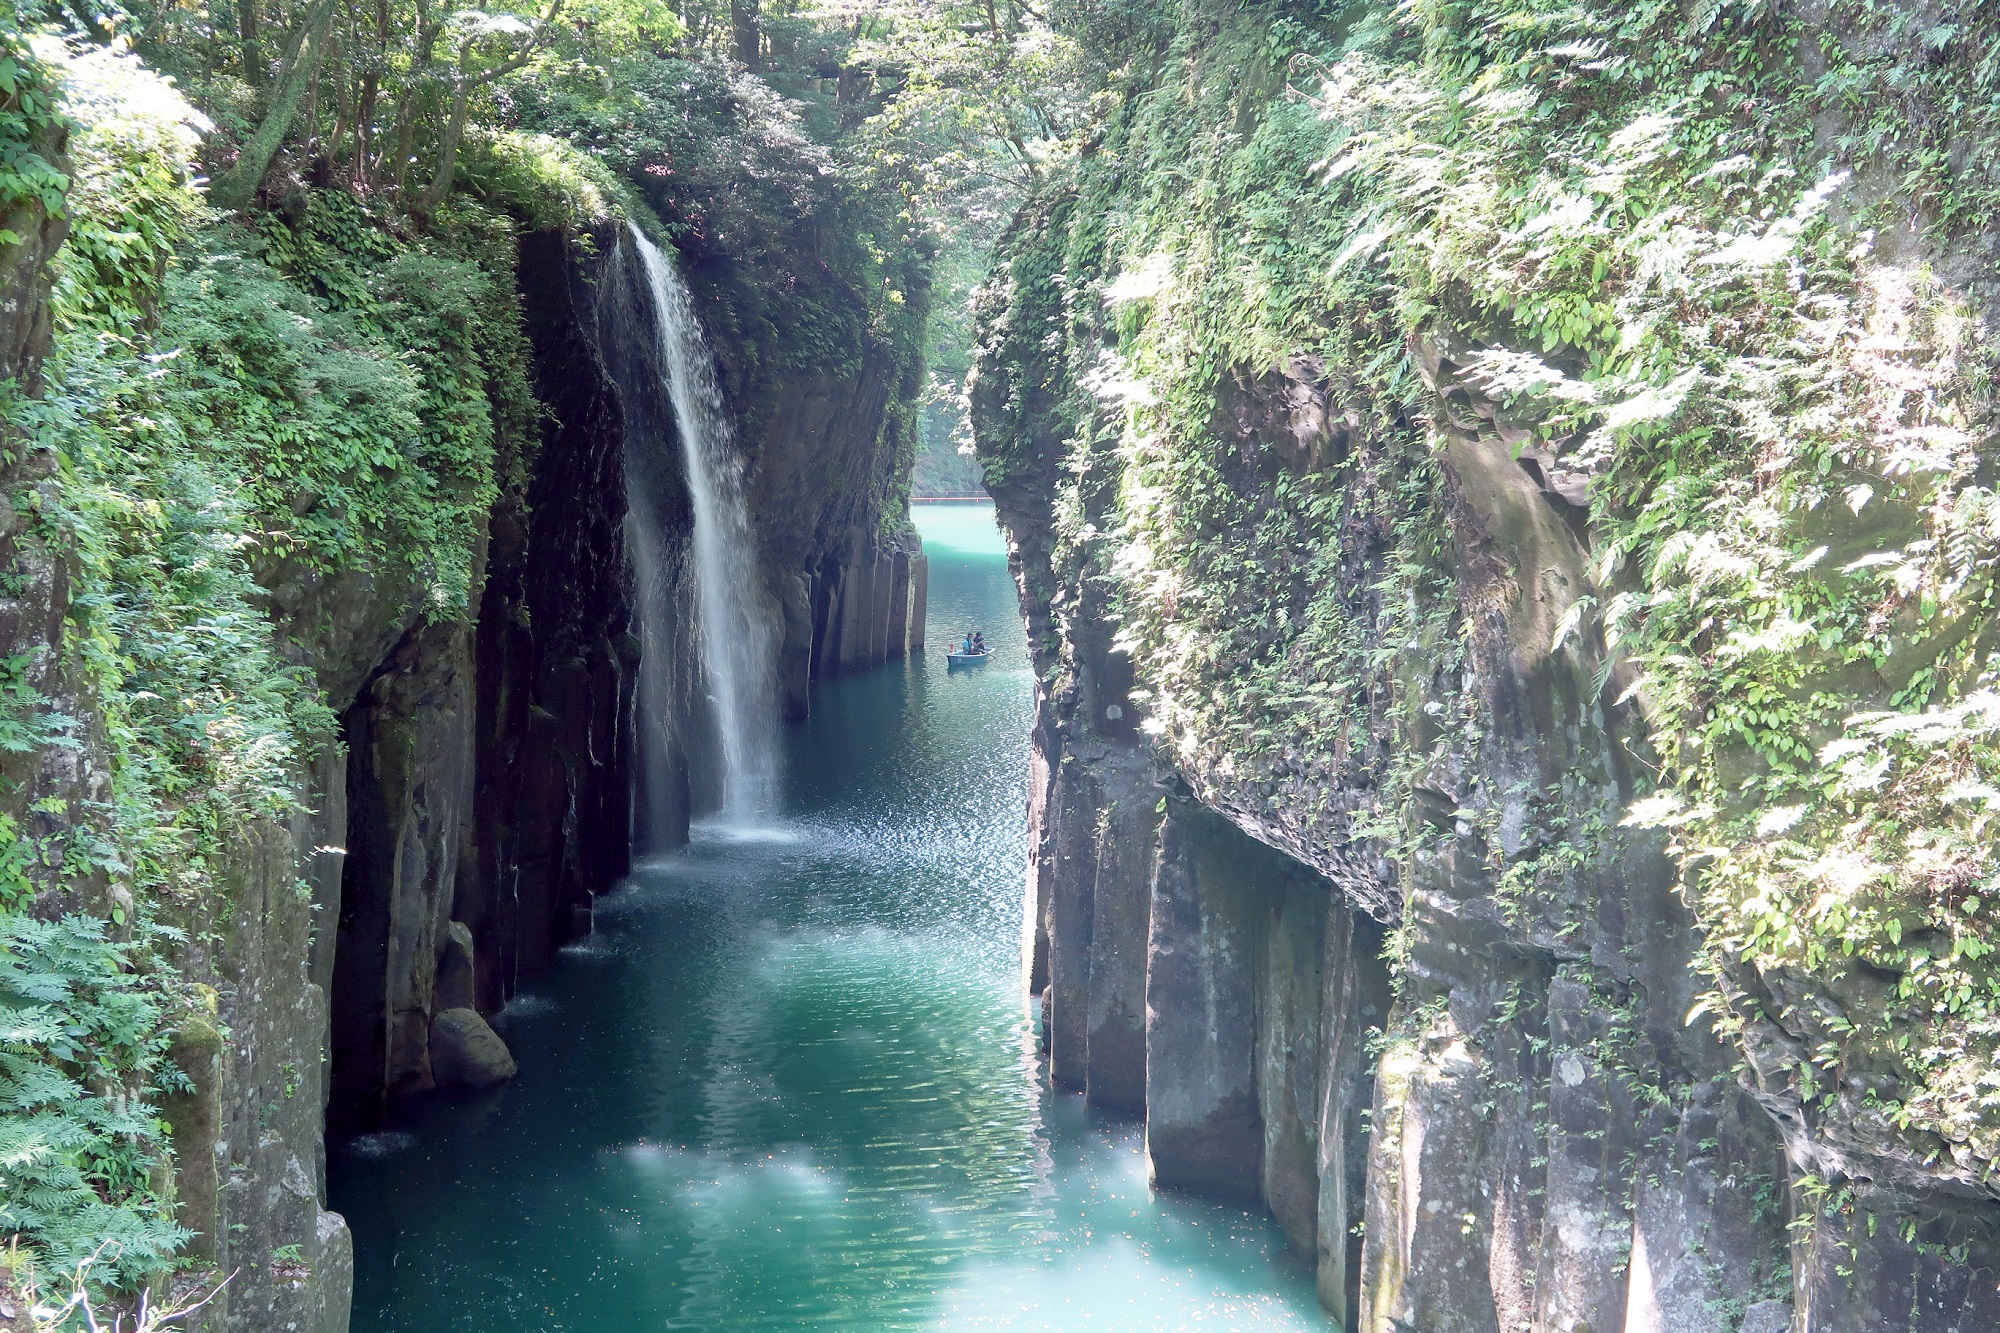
(809, 265)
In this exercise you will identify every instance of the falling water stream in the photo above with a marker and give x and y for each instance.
(735, 628)
(791, 1083)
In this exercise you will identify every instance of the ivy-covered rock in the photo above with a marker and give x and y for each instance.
(1529, 465)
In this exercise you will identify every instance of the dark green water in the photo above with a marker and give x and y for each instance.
(790, 1080)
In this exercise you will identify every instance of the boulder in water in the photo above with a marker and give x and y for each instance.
(467, 1053)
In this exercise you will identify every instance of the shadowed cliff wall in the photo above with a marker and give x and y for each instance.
(490, 786)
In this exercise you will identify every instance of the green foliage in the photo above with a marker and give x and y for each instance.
(206, 721)
(80, 1038)
(1694, 258)
(724, 161)
(355, 458)
(945, 464)
(62, 1301)
(28, 122)
(396, 85)
(1266, 601)
(986, 98)
(972, 105)
(214, 417)
(27, 723)
(803, 270)
(547, 183)
(1782, 427)
(132, 199)
(84, 1041)
(204, 717)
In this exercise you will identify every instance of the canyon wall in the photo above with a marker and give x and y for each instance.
(331, 765)
(489, 784)
(490, 765)
(830, 439)
(1389, 820)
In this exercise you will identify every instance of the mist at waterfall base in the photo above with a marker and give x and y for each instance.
(736, 631)
(791, 1080)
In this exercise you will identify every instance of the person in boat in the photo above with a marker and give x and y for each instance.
(978, 644)
(965, 645)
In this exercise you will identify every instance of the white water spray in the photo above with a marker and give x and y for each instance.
(734, 628)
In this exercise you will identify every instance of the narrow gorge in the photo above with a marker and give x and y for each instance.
(1472, 811)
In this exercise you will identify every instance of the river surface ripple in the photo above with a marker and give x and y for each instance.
(790, 1080)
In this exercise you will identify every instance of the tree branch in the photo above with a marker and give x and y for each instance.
(461, 100)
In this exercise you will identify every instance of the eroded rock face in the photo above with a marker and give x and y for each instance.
(1497, 1128)
(488, 790)
(484, 792)
(1473, 1110)
(1532, 1129)
(467, 1053)
(1260, 366)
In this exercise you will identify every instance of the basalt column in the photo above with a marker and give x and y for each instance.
(557, 660)
(488, 773)
(409, 778)
(868, 605)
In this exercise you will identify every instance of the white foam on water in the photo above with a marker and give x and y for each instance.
(375, 1147)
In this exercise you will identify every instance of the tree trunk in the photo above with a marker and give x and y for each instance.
(454, 130)
(238, 187)
(371, 87)
(253, 49)
(461, 100)
(392, 164)
(745, 30)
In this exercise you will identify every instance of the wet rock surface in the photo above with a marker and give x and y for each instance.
(489, 785)
(467, 1053)
(488, 790)
(1472, 1150)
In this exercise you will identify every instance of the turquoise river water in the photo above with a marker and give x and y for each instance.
(790, 1081)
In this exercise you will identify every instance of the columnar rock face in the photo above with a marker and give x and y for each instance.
(867, 605)
(829, 458)
(481, 796)
(1487, 1158)
(488, 792)
(1404, 973)
(556, 656)
(485, 792)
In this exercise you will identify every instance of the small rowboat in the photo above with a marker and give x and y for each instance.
(967, 659)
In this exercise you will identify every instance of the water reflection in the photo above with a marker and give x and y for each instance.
(790, 1081)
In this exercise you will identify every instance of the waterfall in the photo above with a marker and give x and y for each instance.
(734, 628)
